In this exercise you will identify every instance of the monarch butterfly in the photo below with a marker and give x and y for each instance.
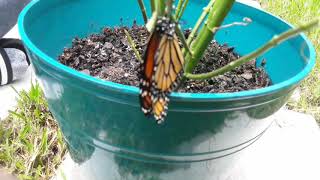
(161, 69)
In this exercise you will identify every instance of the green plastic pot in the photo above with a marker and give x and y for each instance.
(106, 132)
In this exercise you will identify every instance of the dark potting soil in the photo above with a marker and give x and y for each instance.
(108, 56)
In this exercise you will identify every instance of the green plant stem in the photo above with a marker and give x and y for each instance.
(152, 22)
(169, 7)
(272, 43)
(133, 46)
(143, 11)
(182, 10)
(198, 23)
(153, 6)
(216, 16)
(178, 9)
(183, 40)
(160, 6)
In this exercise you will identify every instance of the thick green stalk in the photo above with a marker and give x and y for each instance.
(169, 7)
(273, 42)
(152, 22)
(198, 23)
(216, 16)
(161, 7)
(143, 11)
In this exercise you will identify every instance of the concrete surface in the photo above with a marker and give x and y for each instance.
(9, 10)
(5, 176)
(7, 94)
(289, 150)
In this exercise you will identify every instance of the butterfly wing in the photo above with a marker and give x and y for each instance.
(160, 107)
(169, 64)
(161, 69)
(147, 74)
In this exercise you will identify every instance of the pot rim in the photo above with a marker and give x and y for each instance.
(175, 95)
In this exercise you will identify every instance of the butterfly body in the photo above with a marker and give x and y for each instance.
(161, 69)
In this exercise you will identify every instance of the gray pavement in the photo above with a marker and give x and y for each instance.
(9, 11)
(288, 150)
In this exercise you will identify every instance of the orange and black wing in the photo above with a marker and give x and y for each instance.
(163, 63)
(160, 106)
(168, 64)
(147, 74)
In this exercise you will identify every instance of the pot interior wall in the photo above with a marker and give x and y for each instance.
(52, 27)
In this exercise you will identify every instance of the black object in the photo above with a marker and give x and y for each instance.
(14, 61)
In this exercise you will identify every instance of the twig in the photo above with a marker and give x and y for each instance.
(273, 42)
(133, 45)
(143, 11)
(246, 22)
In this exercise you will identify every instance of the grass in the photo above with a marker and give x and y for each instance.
(31, 146)
(298, 12)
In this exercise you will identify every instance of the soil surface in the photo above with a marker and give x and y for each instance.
(108, 56)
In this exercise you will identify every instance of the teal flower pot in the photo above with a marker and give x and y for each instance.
(106, 132)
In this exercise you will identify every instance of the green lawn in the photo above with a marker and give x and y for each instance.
(31, 146)
(297, 12)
